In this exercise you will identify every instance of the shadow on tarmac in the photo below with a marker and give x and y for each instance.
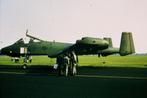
(88, 70)
(41, 85)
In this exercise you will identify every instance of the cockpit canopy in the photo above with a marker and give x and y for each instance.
(20, 41)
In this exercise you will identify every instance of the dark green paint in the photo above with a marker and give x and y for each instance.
(109, 41)
(85, 46)
(127, 44)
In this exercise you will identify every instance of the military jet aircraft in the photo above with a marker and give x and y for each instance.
(84, 46)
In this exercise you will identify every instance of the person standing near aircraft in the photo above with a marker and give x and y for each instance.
(65, 64)
(73, 63)
(59, 62)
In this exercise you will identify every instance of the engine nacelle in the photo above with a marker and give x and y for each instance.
(93, 42)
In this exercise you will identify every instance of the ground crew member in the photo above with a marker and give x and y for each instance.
(59, 62)
(73, 63)
(63, 64)
(66, 64)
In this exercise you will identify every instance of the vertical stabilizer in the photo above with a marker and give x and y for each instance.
(109, 40)
(127, 44)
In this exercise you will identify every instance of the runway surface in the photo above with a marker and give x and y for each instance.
(89, 83)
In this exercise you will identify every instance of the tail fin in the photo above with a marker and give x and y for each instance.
(109, 40)
(127, 44)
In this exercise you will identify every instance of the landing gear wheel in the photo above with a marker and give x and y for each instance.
(24, 66)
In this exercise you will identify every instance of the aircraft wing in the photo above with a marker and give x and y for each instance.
(85, 46)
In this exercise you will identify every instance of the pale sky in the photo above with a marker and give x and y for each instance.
(69, 20)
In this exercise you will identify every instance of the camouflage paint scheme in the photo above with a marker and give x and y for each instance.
(85, 46)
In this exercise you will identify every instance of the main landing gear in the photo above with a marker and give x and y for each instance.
(27, 59)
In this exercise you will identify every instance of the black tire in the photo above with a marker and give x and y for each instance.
(24, 66)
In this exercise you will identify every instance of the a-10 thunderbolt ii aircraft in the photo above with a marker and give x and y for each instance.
(84, 46)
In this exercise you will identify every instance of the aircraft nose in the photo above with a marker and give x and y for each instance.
(2, 51)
